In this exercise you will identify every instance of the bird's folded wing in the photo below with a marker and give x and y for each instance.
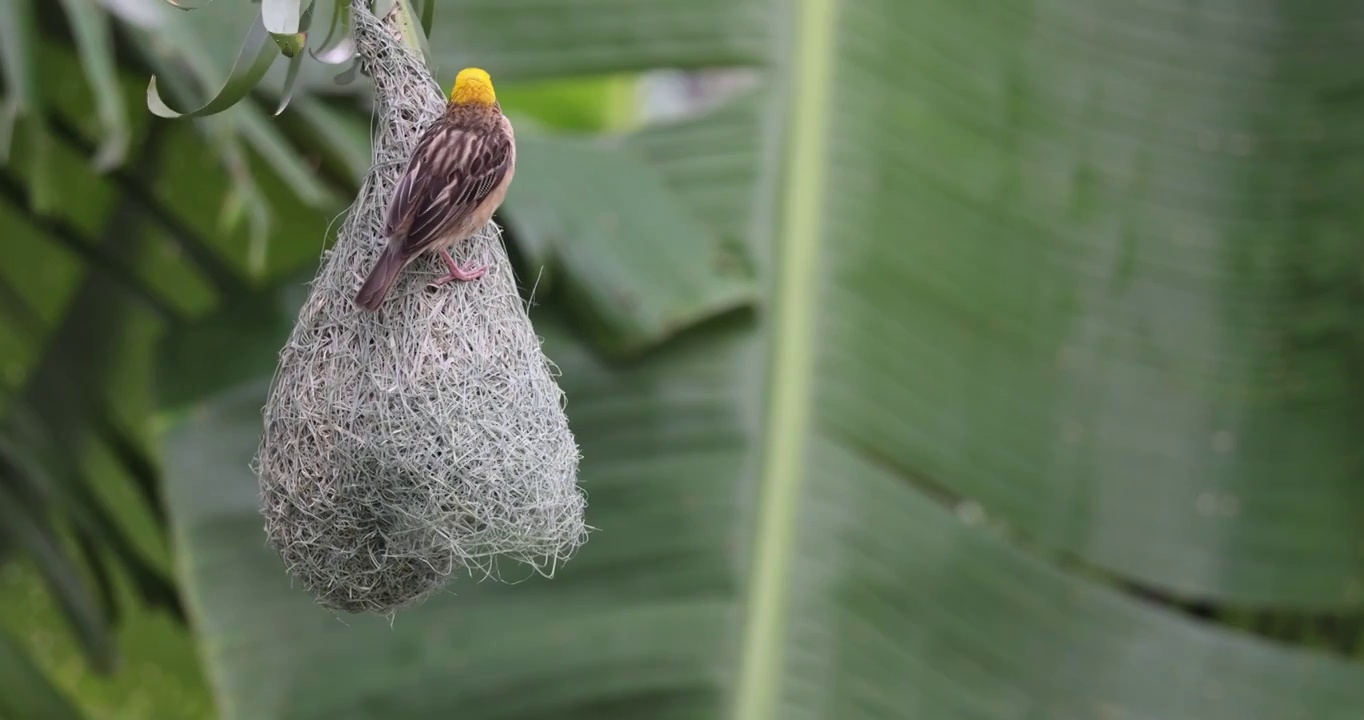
(451, 173)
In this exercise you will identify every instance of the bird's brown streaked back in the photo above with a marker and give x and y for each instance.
(456, 166)
(456, 178)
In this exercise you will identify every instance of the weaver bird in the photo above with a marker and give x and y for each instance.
(456, 178)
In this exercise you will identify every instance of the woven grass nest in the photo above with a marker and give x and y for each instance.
(404, 445)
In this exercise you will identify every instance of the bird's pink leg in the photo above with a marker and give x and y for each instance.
(457, 272)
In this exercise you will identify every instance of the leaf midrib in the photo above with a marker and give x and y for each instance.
(791, 365)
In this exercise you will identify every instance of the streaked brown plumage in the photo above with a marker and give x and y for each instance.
(457, 177)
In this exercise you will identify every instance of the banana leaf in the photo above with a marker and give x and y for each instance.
(1054, 300)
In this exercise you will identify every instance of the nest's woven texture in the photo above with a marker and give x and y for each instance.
(403, 445)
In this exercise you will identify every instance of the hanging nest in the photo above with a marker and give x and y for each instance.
(404, 445)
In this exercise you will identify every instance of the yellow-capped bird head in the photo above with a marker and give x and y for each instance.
(473, 87)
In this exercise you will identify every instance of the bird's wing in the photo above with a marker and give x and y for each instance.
(451, 173)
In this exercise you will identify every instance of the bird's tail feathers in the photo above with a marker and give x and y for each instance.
(381, 278)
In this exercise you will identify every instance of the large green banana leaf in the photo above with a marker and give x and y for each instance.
(1052, 295)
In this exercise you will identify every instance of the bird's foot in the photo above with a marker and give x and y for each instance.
(457, 272)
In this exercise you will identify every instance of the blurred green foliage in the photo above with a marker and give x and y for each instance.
(1047, 409)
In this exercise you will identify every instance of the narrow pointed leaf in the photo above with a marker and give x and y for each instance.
(295, 60)
(347, 76)
(95, 46)
(341, 52)
(18, 34)
(245, 195)
(337, 47)
(256, 55)
(24, 111)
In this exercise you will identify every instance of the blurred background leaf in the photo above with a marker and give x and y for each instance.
(29, 695)
(928, 359)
